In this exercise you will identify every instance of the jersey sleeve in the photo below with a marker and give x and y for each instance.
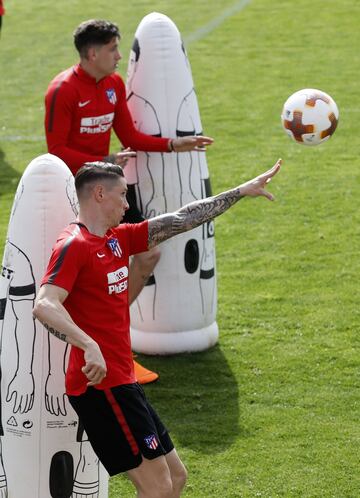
(136, 234)
(126, 132)
(60, 101)
(67, 259)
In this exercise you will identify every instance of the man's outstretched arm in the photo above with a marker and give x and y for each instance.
(192, 215)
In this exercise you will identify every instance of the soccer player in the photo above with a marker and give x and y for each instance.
(84, 103)
(83, 300)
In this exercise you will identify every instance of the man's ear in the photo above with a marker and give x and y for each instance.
(92, 53)
(99, 191)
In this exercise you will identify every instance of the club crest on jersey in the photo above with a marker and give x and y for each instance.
(115, 247)
(151, 442)
(111, 95)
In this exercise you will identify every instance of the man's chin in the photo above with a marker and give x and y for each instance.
(116, 224)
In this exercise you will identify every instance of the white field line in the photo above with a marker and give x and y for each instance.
(217, 21)
(21, 138)
(191, 38)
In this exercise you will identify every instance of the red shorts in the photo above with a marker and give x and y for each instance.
(121, 426)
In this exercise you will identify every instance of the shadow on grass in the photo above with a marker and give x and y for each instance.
(9, 177)
(197, 398)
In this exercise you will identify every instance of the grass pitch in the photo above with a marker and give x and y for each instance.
(273, 410)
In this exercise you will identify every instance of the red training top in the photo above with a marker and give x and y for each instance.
(2, 10)
(94, 271)
(79, 115)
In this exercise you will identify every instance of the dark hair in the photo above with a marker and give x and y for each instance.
(136, 48)
(94, 172)
(94, 32)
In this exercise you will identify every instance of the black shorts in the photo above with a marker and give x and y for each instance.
(133, 214)
(122, 426)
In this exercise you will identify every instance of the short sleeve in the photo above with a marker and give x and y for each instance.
(67, 259)
(137, 236)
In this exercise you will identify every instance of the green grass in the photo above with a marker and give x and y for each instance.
(273, 410)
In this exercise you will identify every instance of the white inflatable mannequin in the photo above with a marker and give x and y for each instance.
(176, 311)
(44, 453)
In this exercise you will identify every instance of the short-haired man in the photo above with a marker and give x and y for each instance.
(83, 300)
(84, 103)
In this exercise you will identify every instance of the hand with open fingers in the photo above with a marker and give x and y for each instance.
(121, 158)
(95, 366)
(256, 186)
(197, 143)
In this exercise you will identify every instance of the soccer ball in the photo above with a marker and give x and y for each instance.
(310, 116)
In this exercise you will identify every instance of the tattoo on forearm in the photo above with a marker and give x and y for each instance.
(191, 216)
(55, 332)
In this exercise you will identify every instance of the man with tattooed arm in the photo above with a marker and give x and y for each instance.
(83, 301)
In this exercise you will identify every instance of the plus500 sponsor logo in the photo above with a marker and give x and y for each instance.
(97, 124)
(118, 280)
